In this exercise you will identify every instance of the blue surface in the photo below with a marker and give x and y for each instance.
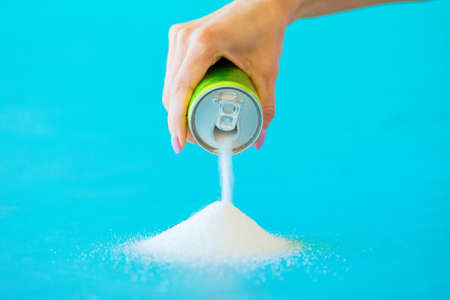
(356, 162)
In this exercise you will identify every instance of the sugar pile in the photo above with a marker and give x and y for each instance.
(218, 232)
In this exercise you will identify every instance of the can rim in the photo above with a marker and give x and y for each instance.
(237, 150)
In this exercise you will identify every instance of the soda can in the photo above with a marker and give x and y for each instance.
(225, 103)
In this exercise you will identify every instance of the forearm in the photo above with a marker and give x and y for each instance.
(299, 9)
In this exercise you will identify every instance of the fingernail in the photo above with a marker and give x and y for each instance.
(176, 144)
(259, 142)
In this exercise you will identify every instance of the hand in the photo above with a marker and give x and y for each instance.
(249, 33)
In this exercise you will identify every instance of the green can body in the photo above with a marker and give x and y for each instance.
(225, 97)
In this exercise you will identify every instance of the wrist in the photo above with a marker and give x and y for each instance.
(279, 13)
(288, 10)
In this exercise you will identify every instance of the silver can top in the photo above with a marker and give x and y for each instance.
(226, 111)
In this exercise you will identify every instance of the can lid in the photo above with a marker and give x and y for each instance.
(226, 111)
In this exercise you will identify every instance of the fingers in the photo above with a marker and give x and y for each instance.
(266, 92)
(176, 54)
(181, 86)
(170, 60)
(190, 138)
(260, 141)
(187, 62)
(265, 86)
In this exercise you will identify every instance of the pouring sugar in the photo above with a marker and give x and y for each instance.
(218, 232)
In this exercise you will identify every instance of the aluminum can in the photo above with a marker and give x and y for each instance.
(225, 103)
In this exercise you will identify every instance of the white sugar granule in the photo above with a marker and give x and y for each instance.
(220, 231)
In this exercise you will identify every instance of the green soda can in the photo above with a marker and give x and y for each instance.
(225, 103)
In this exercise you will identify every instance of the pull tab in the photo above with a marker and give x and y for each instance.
(229, 108)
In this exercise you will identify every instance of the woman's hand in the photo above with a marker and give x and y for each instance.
(249, 33)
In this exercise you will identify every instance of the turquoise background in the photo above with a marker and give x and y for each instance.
(356, 162)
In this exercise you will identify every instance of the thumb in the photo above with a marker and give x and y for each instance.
(265, 87)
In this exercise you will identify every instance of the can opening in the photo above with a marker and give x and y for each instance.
(222, 136)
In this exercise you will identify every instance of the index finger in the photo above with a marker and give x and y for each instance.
(189, 75)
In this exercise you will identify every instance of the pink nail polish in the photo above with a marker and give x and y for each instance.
(175, 144)
(259, 142)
